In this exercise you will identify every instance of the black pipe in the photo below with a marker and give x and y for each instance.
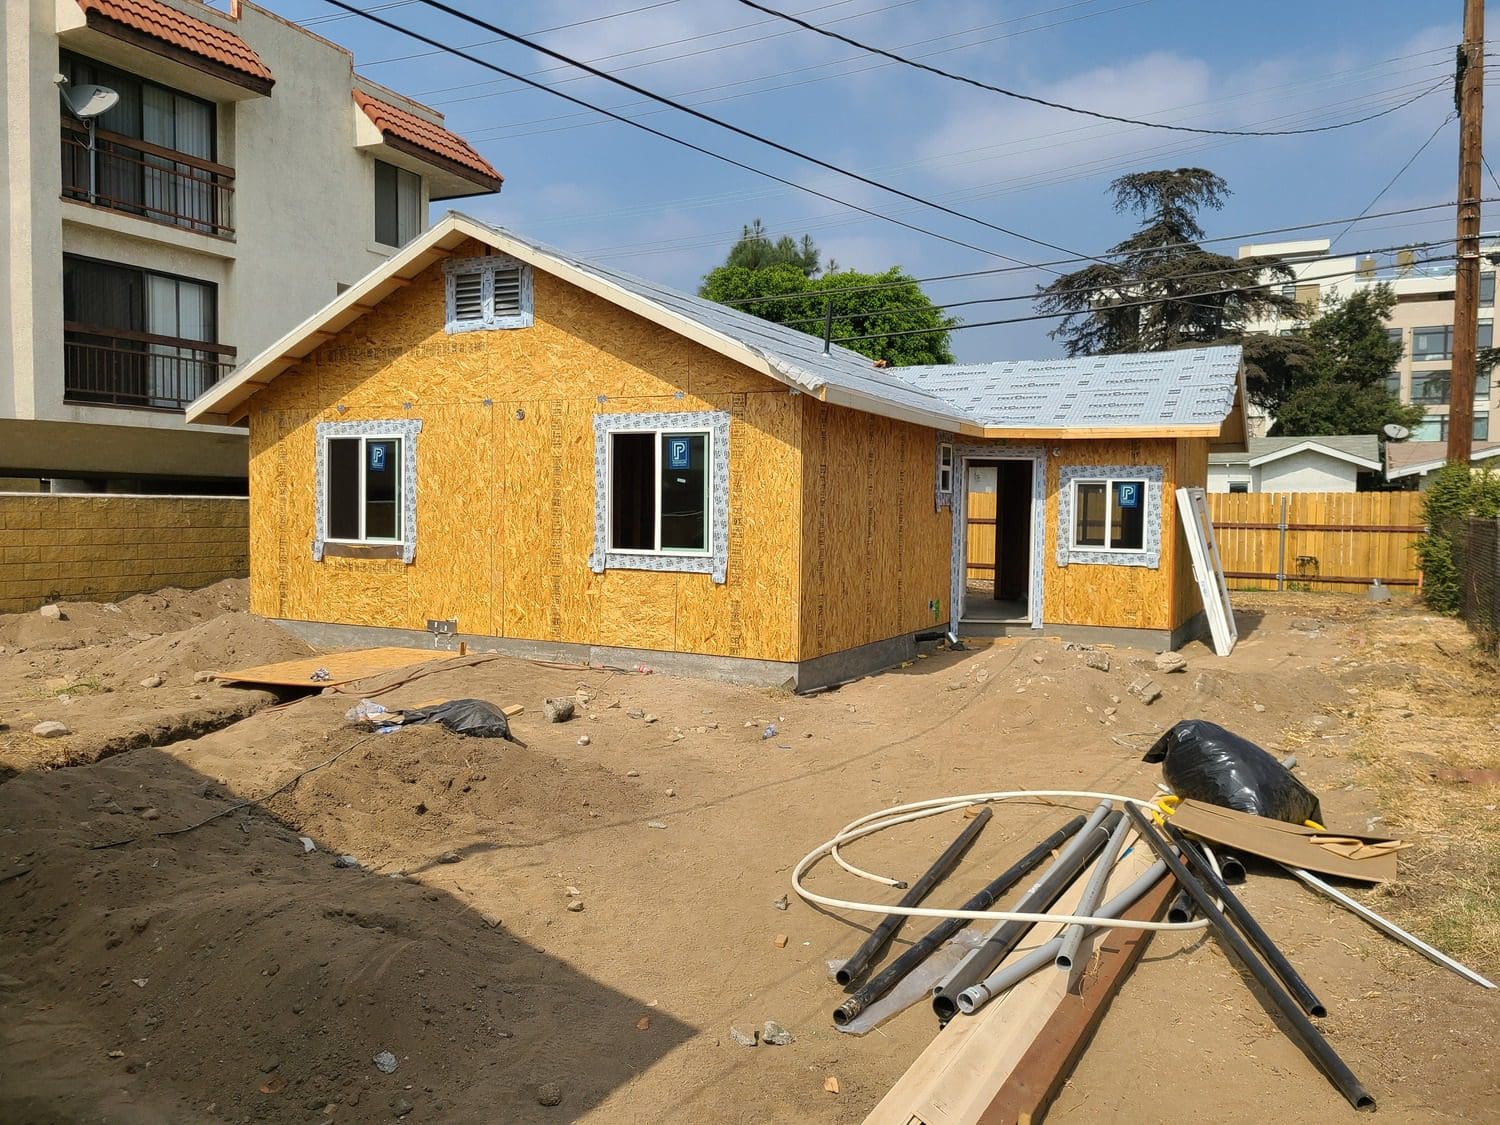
(1048, 889)
(1246, 922)
(1307, 1035)
(1231, 867)
(892, 974)
(861, 958)
(1183, 908)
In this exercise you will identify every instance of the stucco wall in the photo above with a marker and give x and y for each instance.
(103, 548)
(1305, 472)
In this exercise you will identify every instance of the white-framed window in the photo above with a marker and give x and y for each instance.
(945, 467)
(657, 490)
(492, 292)
(363, 501)
(1109, 514)
(398, 205)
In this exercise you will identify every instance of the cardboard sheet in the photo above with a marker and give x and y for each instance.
(1291, 844)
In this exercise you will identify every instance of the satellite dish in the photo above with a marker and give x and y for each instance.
(87, 101)
(1395, 432)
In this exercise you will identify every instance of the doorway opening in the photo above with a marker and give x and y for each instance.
(997, 582)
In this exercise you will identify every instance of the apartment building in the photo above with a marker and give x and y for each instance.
(1422, 322)
(185, 185)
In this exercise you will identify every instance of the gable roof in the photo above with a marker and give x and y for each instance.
(1209, 388)
(1357, 449)
(1417, 458)
(408, 130)
(167, 28)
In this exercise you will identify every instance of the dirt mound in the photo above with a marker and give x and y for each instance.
(246, 979)
(222, 643)
(90, 623)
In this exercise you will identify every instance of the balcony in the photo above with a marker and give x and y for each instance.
(139, 178)
(139, 369)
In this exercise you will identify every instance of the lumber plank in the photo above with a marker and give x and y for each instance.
(342, 667)
(1039, 1076)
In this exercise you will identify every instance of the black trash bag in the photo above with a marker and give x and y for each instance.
(1202, 761)
(472, 717)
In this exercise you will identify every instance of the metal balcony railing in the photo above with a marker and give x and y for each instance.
(140, 369)
(134, 176)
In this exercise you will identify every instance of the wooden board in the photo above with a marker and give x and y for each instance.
(342, 667)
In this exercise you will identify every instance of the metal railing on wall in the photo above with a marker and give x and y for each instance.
(159, 184)
(139, 369)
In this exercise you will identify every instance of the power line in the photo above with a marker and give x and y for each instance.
(1490, 170)
(1399, 173)
(419, 36)
(1071, 108)
(1058, 315)
(523, 41)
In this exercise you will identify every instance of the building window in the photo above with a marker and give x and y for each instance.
(1435, 342)
(1109, 515)
(493, 292)
(945, 468)
(661, 492)
(1486, 335)
(154, 152)
(366, 489)
(1431, 387)
(1393, 384)
(1238, 486)
(134, 337)
(1395, 335)
(398, 204)
(1436, 428)
(1487, 288)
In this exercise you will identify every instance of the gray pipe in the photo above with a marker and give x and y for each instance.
(1067, 956)
(1043, 893)
(1008, 976)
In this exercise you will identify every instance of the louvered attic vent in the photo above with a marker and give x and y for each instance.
(492, 292)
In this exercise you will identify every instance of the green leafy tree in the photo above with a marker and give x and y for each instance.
(755, 250)
(1195, 296)
(878, 305)
(1329, 377)
(1456, 493)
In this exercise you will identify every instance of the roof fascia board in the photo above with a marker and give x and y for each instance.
(1317, 447)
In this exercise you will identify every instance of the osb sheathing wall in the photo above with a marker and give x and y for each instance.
(505, 490)
(1192, 472)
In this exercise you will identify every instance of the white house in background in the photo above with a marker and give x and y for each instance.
(1412, 463)
(242, 177)
(1295, 464)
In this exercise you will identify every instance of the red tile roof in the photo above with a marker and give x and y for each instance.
(178, 29)
(426, 136)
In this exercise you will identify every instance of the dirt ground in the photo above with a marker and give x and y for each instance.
(225, 973)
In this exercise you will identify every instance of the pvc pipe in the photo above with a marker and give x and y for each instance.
(872, 945)
(893, 973)
(1067, 956)
(1042, 895)
(1306, 1034)
(916, 810)
(1390, 928)
(1008, 976)
(1277, 960)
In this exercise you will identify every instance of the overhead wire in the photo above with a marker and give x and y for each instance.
(1399, 173)
(966, 80)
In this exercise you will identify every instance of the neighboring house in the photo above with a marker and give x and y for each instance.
(1422, 322)
(1295, 464)
(242, 178)
(565, 460)
(1412, 463)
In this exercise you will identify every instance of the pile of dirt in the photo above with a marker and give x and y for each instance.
(222, 643)
(225, 974)
(144, 615)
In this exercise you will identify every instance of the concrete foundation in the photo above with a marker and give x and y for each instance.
(1157, 640)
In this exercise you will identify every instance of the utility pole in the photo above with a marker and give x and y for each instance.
(1470, 97)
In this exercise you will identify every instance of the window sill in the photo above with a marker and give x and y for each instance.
(675, 564)
(362, 550)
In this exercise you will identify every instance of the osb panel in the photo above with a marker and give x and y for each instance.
(331, 669)
(505, 478)
(874, 550)
(1131, 597)
(1191, 472)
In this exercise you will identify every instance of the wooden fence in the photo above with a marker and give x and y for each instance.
(981, 513)
(1339, 541)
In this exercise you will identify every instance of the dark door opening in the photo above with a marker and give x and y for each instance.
(999, 505)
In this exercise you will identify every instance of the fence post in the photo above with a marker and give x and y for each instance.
(1281, 548)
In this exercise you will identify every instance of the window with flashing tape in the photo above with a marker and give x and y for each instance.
(364, 490)
(658, 492)
(1109, 515)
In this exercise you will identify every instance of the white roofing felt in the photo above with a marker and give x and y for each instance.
(1156, 391)
(1191, 387)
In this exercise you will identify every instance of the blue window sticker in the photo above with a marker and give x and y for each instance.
(1128, 495)
(679, 453)
(377, 456)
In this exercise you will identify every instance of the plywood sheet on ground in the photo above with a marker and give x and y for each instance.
(342, 667)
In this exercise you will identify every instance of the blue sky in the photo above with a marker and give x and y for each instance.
(607, 190)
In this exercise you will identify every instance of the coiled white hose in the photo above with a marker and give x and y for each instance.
(917, 810)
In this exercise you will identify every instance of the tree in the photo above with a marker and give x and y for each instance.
(879, 305)
(1457, 493)
(1330, 376)
(1195, 297)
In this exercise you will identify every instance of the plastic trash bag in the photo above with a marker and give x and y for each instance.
(365, 711)
(1202, 761)
(472, 717)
